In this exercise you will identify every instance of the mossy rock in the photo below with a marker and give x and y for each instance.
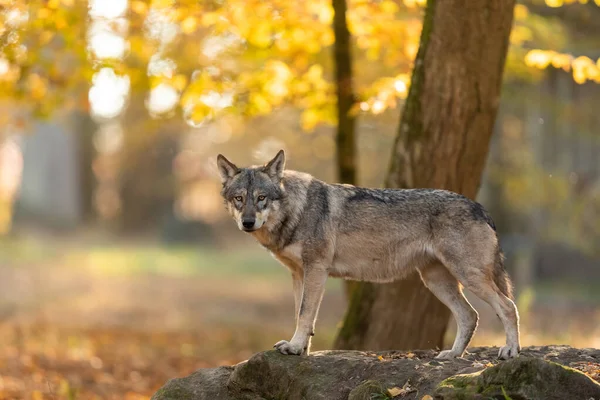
(522, 378)
(358, 375)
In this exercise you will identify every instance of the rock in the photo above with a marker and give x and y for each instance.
(521, 378)
(539, 373)
(204, 384)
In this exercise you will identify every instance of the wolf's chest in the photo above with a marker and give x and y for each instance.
(290, 256)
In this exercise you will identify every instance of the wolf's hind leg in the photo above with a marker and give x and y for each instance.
(472, 257)
(449, 291)
(480, 281)
(506, 310)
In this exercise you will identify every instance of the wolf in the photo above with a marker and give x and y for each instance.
(319, 230)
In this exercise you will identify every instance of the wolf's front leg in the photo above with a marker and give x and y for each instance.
(298, 284)
(312, 294)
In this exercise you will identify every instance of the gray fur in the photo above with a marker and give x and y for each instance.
(319, 230)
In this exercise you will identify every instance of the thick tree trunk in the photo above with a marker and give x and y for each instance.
(442, 142)
(345, 137)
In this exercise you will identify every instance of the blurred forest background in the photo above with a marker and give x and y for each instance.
(118, 265)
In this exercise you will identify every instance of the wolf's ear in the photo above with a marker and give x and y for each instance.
(227, 169)
(276, 166)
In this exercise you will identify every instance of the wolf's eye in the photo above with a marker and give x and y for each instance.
(238, 198)
(261, 198)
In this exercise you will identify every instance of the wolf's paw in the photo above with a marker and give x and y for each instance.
(507, 352)
(448, 355)
(285, 347)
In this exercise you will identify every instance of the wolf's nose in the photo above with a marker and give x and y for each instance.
(248, 223)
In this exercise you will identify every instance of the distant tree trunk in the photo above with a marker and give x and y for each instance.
(85, 128)
(442, 142)
(345, 137)
(147, 184)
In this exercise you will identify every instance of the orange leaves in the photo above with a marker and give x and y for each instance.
(44, 362)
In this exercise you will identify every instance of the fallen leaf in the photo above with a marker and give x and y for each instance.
(427, 397)
(396, 391)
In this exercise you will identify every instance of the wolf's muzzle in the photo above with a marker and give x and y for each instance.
(248, 223)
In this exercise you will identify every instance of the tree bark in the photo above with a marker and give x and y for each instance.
(442, 142)
(345, 134)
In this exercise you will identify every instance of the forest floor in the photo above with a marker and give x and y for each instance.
(117, 321)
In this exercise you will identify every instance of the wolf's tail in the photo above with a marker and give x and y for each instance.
(501, 277)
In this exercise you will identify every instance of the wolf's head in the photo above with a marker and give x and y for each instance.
(252, 193)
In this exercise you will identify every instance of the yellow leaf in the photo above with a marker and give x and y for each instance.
(315, 73)
(327, 38)
(179, 81)
(209, 18)
(260, 35)
(309, 119)
(403, 391)
(43, 13)
(260, 103)
(162, 3)
(139, 7)
(53, 4)
(200, 113)
(521, 11)
(189, 25)
(326, 14)
(389, 7)
(37, 86)
(46, 36)
(380, 358)
(427, 397)
(279, 69)
(37, 395)
(410, 355)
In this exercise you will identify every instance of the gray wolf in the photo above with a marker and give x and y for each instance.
(318, 230)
